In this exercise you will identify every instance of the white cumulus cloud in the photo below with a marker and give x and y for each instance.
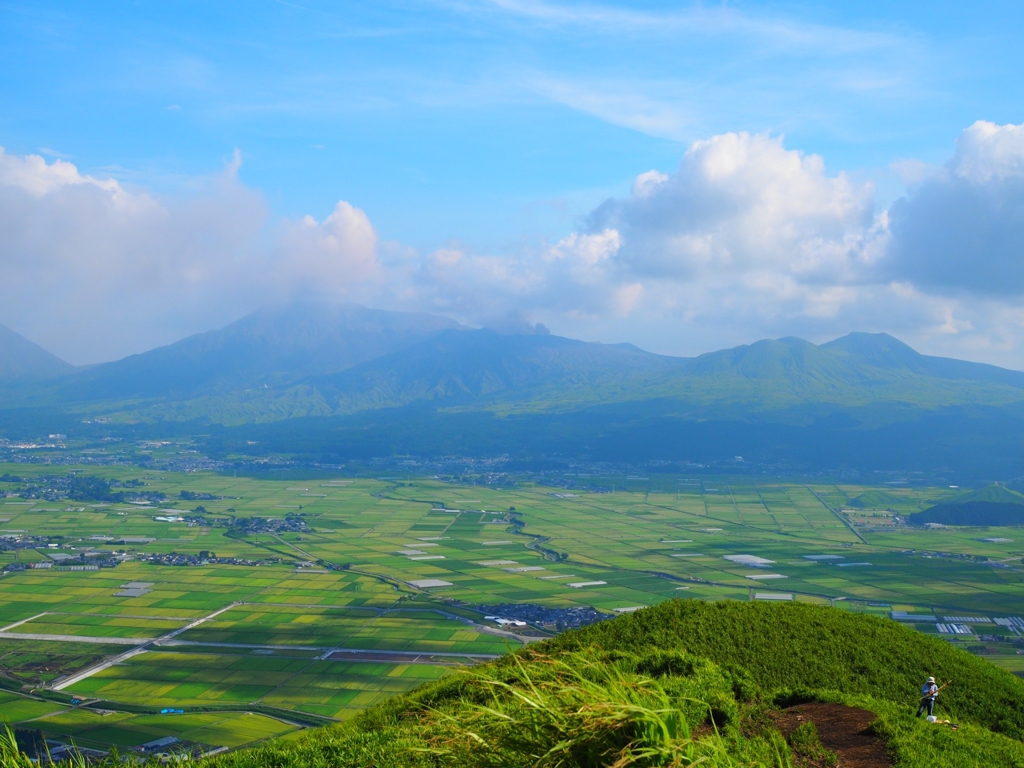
(961, 229)
(987, 152)
(739, 203)
(95, 271)
(331, 256)
(746, 239)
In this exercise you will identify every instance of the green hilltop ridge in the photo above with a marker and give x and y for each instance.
(993, 505)
(685, 683)
(998, 494)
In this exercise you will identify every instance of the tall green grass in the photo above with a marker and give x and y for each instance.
(537, 710)
(11, 755)
(578, 710)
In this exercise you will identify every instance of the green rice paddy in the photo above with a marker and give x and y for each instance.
(392, 569)
(100, 730)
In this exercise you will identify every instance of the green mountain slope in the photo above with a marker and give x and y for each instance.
(346, 382)
(787, 380)
(317, 359)
(508, 374)
(684, 683)
(450, 368)
(855, 371)
(883, 351)
(22, 359)
(484, 367)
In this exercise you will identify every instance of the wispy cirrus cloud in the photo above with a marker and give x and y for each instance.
(619, 103)
(674, 73)
(773, 31)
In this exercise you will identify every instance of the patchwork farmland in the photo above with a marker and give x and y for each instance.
(257, 607)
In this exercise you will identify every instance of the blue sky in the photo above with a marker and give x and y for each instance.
(496, 129)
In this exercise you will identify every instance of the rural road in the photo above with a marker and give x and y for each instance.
(140, 648)
(402, 656)
(77, 638)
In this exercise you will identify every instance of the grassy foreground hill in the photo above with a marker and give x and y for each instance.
(684, 683)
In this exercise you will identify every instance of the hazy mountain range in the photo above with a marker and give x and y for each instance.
(319, 369)
(23, 360)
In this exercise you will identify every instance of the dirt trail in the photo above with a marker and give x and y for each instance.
(844, 730)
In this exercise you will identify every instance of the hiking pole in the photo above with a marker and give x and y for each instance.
(939, 690)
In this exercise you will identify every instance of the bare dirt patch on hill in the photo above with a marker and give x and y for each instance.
(841, 729)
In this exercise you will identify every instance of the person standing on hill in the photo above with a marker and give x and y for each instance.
(929, 693)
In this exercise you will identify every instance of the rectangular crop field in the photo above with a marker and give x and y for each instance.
(279, 578)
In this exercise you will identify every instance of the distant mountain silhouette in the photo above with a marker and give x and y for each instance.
(274, 345)
(356, 381)
(317, 358)
(21, 359)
